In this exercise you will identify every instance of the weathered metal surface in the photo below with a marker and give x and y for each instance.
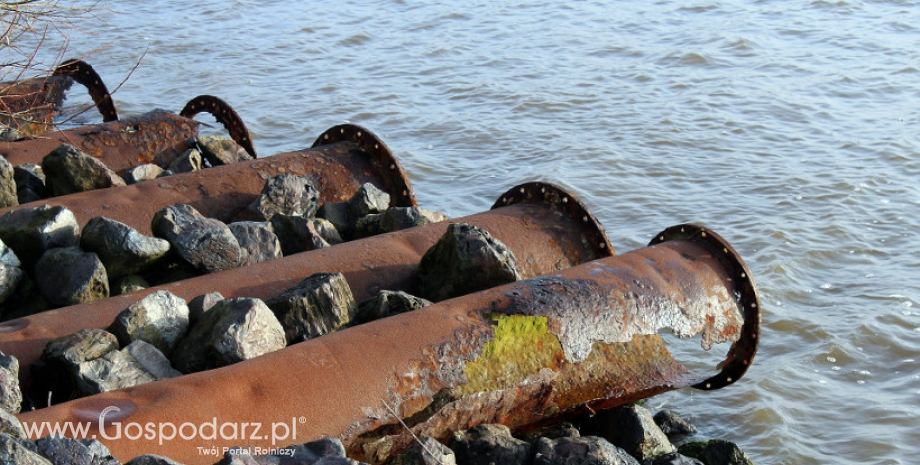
(542, 239)
(154, 137)
(225, 115)
(338, 170)
(84, 74)
(30, 105)
(397, 182)
(573, 341)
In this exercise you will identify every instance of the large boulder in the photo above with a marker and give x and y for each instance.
(205, 243)
(219, 150)
(120, 247)
(68, 170)
(190, 160)
(301, 234)
(160, 319)
(70, 276)
(588, 450)
(258, 242)
(30, 183)
(10, 394)
(672, 424)
(33, 230)
(465, 259)
(142, 173)
(367, 200)
(232, 331)
(632, 429)
(8, 197)
(55, 375)
(15, 451)
(388, 303)
(318, 305)
(716, 452)
(489, 444)
(395, 219)
(284, 194)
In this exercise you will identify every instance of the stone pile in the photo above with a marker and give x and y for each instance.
(46, 261)
(162, 336)
(67, 170)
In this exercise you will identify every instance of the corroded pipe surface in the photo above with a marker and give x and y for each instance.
(582, 339)
(155, 137)
(30, 105)
(338, 168)
(542, 234)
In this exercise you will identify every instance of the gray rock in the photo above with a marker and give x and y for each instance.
(326, 230)
(151, 459)
(716, 452)
(590, 450)
(114, 370)
(219, 150)
(555, 431)
(128, 284)
(10, 279)
(190, 160)
(489, 444)
(233, 330)
(33, 230)
(240, 456)
(101, 454)
(205, 243)
(8, 196)
(297, 234)
(66, 451)
(10, 394)
(258, 242)
(120, 247)
(15, 452)
(8, 256)
(337, 214)
(8, 134)
(631, 428)
(428, 451)
(160, 318)
(318, 305)
(68, 170)
(165, 174)
(152, 360)
(142, 173)
(388, 303)
(326, 447)
(30, 183)
(465, 259)
(672, 424)
(395, 219)
(673, 458)
(201, 304)
(367, 200)
(70, 276)
(81, 346)
(284, 194)
(10, 425)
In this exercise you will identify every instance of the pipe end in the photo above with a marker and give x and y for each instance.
(742, 352)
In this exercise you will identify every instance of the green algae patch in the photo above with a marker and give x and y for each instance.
(522, 346)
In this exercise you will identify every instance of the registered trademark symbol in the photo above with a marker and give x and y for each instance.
(302, 420)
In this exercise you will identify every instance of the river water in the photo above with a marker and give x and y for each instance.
(789, 127)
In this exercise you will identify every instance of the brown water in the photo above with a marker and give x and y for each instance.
(790, 127)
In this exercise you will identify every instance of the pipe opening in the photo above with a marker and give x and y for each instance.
(689, 352)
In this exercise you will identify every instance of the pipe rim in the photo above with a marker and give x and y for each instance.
(383, 159)
(742, 351)
(224, 114)
(563, 200)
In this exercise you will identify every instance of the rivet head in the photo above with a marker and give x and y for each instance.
(724, 250)
(522, 190)
(392, 166)
(376, 146)
(342, 130)
(565, 200)
(703, 234)
(603, 246)
(405, 192)
(744, 275)
(708, 385)
(728, 379)
(359, 133)
(660, 238)
(326, 136)
(754, 305)
(584, 218)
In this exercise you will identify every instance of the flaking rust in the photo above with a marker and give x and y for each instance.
(557, 346)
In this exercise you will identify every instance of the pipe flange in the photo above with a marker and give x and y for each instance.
(224, 114)
(564, 201)
(83, 73)
(743, 350)
(381, 156)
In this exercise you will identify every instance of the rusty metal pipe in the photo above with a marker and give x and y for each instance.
(578, 340)
(547, 228)
(30, 104)
(155, 137)
(338, 166)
